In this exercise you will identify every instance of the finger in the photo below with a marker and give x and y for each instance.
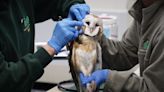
(87, 9)
(82, 13)
(72, 29)
(83, 78)
(72, 23)
(84, 10)
(77, 14)
(76, 34)
(75, 23)
(81, 32)
(89, 79)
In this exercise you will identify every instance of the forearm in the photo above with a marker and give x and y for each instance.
(17, 74)
(116, 56)
(119, 81)
(51, 51)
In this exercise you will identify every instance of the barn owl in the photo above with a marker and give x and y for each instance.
(86, 52)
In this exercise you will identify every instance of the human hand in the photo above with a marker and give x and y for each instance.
(78, 11)
(64, 32)
(99, 76)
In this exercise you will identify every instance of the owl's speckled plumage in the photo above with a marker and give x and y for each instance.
(86, 51)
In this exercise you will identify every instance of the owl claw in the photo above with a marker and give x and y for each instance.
(91, 87)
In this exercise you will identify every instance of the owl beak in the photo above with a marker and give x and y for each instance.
(91, 29)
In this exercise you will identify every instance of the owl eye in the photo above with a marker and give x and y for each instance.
(88, 23)
(97, 25)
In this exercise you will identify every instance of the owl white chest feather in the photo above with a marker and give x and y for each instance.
(86, 60)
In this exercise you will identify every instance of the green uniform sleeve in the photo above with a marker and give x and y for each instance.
(152, 77)
(44, 9)
(121, 55)
(19, 75)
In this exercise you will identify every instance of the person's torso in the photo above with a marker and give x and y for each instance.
(16, 29)
(150, 31)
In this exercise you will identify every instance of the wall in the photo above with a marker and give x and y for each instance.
(107, 5)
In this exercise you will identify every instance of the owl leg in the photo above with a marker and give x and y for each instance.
(91, 87)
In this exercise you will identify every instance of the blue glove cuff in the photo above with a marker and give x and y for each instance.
(54, 45)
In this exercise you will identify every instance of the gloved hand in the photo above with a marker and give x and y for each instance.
(78, 11)
(64, 32)
(99, 76)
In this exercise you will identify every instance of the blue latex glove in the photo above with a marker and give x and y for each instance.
(64, 32)
(99, 76)
(78, 11)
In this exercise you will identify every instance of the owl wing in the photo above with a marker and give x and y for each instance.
(73, 71)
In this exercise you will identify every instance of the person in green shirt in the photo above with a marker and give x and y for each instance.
(20, 67)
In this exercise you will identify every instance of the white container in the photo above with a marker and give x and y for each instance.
(110, 26)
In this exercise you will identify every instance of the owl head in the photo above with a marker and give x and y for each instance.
(93, 25)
